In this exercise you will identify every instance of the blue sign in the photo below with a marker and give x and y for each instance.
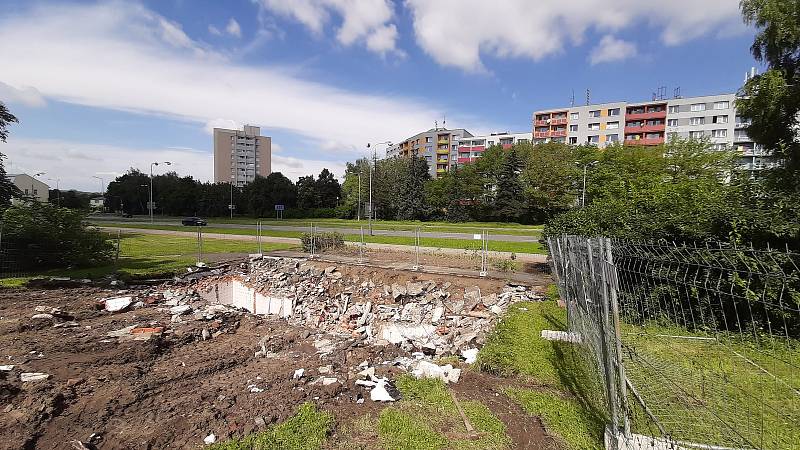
(279, 207)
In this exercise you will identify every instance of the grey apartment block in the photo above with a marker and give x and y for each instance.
(240, 155)
(439, 147)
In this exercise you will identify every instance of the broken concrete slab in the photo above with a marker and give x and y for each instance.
(27, 377)
(117, 304)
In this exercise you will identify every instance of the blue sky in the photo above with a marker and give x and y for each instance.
(103, 86)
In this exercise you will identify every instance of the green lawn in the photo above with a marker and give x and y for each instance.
(500, 246)
(146, 255)
(400, 225)
(306, 430)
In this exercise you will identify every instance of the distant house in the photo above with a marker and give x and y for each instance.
(31, 187)
(97, 203)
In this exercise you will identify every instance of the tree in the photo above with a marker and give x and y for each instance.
(349, 207)
(6, 118)
(327, 190)
(553, 178)
(509, 198)
(263, 193)
(771, 101)
(306, 192)
(413, 204)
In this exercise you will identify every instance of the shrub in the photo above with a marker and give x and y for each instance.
(42, 235)
(323, 241)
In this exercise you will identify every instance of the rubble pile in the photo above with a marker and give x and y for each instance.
(417, 315)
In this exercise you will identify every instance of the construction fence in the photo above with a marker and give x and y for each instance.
(686, 346)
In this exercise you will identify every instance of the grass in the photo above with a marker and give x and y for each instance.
(306, 430)
(147, 256)
(464, 244)
(564, 394)
(425, 419)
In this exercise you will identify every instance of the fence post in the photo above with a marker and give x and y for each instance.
(416, 249)
(119, 240)
(613, 283)
(258, 236)
(605, 339)
(361, 247)
(199, 244)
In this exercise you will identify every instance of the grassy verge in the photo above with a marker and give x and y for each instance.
(306, 430)
(146, 256)
(564, 394)
(463, 244)
(426, 419)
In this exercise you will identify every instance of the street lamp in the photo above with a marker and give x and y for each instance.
(371, 206)
(102, 190)
(585, 167)
(33, 195)
(150, 204)
(58, 189)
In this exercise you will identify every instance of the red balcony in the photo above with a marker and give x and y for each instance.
(646, 115)
(562, 133)
(644, 129)
(561, 121)
(465, 148)
(652, 141)
(506, 146)
(466, 160)
(541, 123)
(541, 134)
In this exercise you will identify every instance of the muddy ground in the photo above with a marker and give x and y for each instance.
(173, 389)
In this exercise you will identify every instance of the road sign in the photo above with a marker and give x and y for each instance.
(231, 207)
(279, 207)
(477, 237)
(368, 207)
(151, 203)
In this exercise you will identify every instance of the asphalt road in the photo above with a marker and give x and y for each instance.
(375, 232)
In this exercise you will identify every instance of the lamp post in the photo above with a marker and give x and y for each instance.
(33, 195)
(371, 169)
(583, 193)
(150, 203)
(58, 189)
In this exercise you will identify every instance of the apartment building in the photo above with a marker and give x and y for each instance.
(240, 155)
(651, 123)
(472, 148)
(439, 147)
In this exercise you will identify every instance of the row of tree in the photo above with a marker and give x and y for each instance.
(185, 196)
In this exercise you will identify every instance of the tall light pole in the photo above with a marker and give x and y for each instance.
(58, 189)
(583, 194)
(102, 190)
(33, 196)
(150, 203)
(371, 169)
(358, 207)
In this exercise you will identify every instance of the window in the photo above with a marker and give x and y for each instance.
(522, 141)
(719, 133)
(491, 143)
(595, 113)
(612, 125)
(720, 119)
(721, 105)
(612, 138)
(673, 109)
(574, 116)
(594, 126)
(613, 112)
(35, 192)
(698, 107)
(696, 134)
(573, 128)
(594, 139)
(697, 121)
(672, 122)
(428, 139)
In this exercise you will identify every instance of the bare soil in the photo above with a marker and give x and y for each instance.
(174, 389)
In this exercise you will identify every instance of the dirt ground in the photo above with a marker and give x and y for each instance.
(173, 389)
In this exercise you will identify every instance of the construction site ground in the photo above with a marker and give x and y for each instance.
(173, 389)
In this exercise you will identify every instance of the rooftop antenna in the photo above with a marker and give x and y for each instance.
(572, 99)
(444, 121)
(677, 92)
(435, 124)
(662, 93)
(588, 96)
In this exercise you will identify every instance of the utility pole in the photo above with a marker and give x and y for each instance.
(371, 169)
(150, 204)
(358, 207)
(58, 189)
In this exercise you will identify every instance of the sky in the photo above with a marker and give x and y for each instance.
(101, 87)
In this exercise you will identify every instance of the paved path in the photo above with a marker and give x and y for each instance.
(533, 237)
(522, 257)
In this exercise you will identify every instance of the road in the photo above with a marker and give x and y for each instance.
(343, 230)
(522, 257)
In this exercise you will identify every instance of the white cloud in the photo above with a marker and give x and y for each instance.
(233, 28)
(214, 30)
(25, 95)
(366, 21)
(148, 70)
(458, 32)
(611, 49)
(74, 163)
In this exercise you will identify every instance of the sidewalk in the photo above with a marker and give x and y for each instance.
(521, 257)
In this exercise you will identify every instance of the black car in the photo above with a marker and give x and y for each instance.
(127, 215)
(194, 222)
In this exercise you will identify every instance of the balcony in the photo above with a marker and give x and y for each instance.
(644, 141)
(644, 129)
(443, 141)
(441, 161)
(646, 115)
(474, 148)
(442, 151)
(466, 160)
(441, 169)
(541, 134)
(506, 146)
(559, 121)
(541, 123)
(561, 133)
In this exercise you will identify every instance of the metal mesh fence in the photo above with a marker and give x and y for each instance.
(693, 347)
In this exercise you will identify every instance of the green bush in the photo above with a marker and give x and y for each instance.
(322, 241)
(42, 235)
